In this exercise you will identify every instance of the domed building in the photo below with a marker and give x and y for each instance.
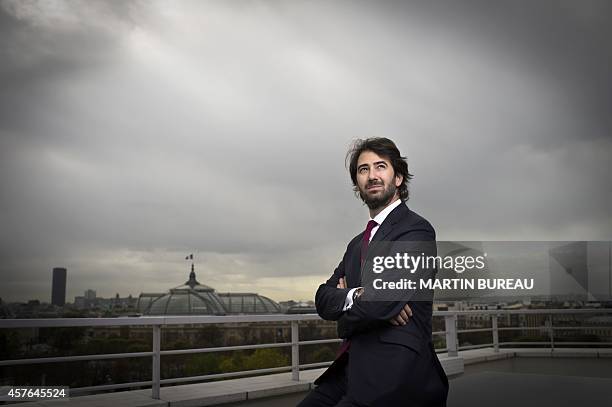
(193, 298)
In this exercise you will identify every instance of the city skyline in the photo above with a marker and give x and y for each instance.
(132, 134)
(91, 294)
(567, 269)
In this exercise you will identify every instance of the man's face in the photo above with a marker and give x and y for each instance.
(376, 180)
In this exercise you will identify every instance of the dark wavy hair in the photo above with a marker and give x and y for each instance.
(384, 148)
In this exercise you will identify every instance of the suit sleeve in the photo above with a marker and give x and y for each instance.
(329, 300)
(366, 315)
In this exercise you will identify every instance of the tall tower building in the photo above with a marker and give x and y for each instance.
(58, 288)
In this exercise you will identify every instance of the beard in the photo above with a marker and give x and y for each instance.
(380, 199)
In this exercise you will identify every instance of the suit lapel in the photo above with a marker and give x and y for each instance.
(383, 231)
(387, 226)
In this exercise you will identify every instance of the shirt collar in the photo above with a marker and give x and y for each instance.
(380, 218)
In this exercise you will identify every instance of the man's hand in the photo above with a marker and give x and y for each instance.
(403, 316)
(341, 283)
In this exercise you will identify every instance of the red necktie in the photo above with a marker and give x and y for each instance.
(365, 241)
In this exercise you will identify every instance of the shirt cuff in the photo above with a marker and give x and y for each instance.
(348, 301)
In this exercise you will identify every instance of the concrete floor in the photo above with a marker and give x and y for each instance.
(508, 378)
(515, 382)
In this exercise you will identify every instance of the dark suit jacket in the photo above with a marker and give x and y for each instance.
(387, 365)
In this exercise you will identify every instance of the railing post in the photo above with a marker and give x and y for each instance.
(450, 321)
(295, 351)
(495, 333)
(156, 361)
(551, 332)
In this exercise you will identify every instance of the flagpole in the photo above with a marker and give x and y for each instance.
(610, 270)
(190, 257)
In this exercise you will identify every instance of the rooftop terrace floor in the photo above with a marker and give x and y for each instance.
(508, 378)
(514, 382)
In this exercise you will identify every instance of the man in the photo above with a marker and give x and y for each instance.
(387, 358)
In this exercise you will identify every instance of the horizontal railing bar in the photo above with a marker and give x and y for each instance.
(224, 348)
(151, 321)
(560, 343)
(547, 343)
(551, 311)
(215, 319)
(561, 328)
(245, 347)
(319, 341)
(567, 328)
(439, 333)
(523, 328)
(80, 322)
(225, 375)
(484, 345)
(314, 365)
(543, 327)
(75, 358)
(474, 330)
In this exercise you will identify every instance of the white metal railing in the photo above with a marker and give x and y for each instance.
(451, 334)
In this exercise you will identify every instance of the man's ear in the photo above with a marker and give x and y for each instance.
(398, 180)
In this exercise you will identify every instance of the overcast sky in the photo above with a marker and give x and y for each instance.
(135, 133)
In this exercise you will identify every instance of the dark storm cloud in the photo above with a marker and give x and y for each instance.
(561, 42)
(40, 48)
(134, 132)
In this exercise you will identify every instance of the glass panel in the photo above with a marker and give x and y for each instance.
(143, 303)
(199, 306)
(226, 301)
(270, 305)
(158, 307)
(236, 305)
(178, 305)
(260, 307)
(248, 304)
(215, 302)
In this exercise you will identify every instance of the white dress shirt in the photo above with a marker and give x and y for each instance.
(379, 219)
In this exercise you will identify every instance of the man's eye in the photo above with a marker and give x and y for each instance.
(380, 166)
(362, 170)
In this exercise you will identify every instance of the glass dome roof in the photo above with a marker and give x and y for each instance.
(248, 303)
(193, 298)
(145, 300)
(186, 302)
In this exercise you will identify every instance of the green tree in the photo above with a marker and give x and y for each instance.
(234, 363)
(9, 344)
(323, 354)
(64, 339)
(265, 358)
(203, 363)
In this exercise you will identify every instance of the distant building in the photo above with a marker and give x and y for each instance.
(90, 295)
(294, 307)
(5, 312)
(58, 287)
(86, 301)
(79, 302)
(90, 300)
(124, 303)
(193, 298)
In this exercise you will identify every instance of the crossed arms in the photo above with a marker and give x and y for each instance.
(400, 319)
(363, 315)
